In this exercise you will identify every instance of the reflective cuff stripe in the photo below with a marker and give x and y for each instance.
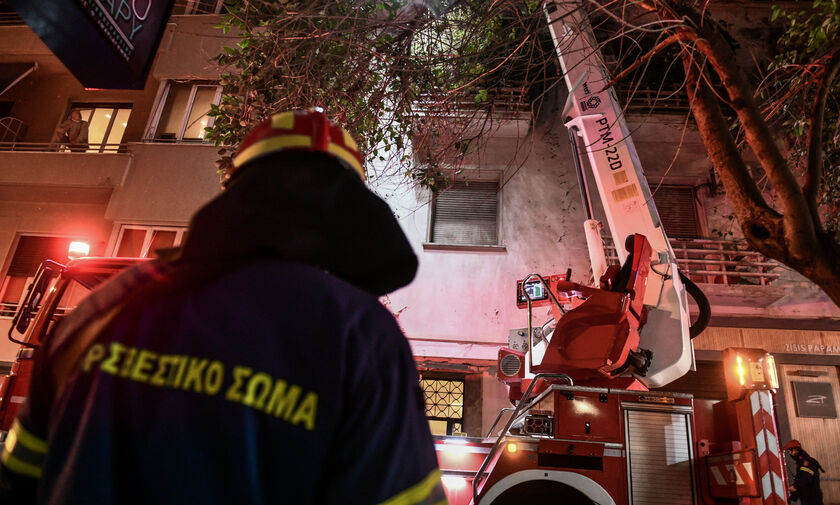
(429, 491)
(806, 469)
(21, 467)
(25, 453)
(21, 435)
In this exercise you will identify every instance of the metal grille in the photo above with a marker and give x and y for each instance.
(659, 458)
(510, 365)
(444, 398)
(466, 213)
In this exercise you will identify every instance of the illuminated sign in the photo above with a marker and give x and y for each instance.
(107, 44)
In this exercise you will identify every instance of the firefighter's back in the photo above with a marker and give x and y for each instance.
(262, 386)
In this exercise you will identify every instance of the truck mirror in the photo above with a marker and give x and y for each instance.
(34, 295)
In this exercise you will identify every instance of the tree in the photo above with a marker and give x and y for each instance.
(414, 87)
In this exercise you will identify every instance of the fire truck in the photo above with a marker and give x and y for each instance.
(54, 291)
(587, 425)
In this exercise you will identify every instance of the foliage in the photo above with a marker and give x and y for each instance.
(809, 39)
(414, 91)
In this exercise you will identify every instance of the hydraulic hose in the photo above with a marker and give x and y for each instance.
(705, 310)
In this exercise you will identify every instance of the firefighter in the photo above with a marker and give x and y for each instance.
(254, 364)
(806, 482)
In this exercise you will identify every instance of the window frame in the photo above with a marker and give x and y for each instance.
(120, 229)
(699, 210)
(450, 421)
(192, 5)
(433, 202)
(160, 105)
(114, 106)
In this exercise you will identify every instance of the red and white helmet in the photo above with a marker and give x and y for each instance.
(300, 130)
(793, 444)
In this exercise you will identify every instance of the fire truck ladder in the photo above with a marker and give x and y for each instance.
(522, 408)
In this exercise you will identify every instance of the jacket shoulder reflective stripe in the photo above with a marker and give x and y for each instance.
(806, 469)
(20, 434)
(21, 467)
(429, 491)
(25, 453)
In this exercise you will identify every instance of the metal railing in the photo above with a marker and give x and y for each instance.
(651, 101)
(10, 19)
(711, 261)
(525, 404)
(502, 102)
(53, 147)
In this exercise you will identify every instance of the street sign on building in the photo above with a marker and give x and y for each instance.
(107, 44)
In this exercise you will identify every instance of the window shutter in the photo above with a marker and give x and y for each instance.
(31, 251)
(466, 214)
(678, 211)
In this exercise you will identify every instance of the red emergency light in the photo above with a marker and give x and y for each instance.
(748, 370)
(78, 249)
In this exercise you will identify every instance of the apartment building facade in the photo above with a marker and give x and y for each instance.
(147, 169)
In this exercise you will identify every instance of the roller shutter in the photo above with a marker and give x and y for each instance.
(466, 214)
(659, 458)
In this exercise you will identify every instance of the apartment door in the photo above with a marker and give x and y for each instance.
(812, 400)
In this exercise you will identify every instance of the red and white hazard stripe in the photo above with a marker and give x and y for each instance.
(767, 448)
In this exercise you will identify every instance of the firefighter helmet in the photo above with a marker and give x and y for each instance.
(793, 444)
(300, 130)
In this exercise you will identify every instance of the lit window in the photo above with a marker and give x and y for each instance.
(182, 113)
(444, 400)
(466, 213)
(106, 125)
(30, 252)
(135, 241)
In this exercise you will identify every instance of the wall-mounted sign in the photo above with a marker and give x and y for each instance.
(812, 348)
(107, 44)
(814, 399)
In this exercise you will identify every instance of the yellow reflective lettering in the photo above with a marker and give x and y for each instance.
(127, 362)
(306, 411)
(214, 377)
(110, 364)
(240, 373)
(94, 354)
(282, 402)
(144, 364)
(194, 373)
(259, 382)
(178, 368)
(158, 378)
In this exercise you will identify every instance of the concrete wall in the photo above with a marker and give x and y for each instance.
(187, 47)
(166, 183)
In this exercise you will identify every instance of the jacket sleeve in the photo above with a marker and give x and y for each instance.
(804, 474)
(25, 447)
(383, 451)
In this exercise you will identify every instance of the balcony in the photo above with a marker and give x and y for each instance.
(33, 171)
(735, 277)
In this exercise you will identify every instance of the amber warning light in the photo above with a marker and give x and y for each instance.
(78, 249)
(748, 370)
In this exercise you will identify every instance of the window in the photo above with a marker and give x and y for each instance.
(141, 241)
(182, 112)
(444, 400)
(30, 252)
(678, 211)
(106, 124)
(466, 213)
(198, 7)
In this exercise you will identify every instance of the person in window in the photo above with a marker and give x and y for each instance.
(72, 133)
(255, 364)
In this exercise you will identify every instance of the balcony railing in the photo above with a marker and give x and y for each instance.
(653, 101)
(728, 262)
(10, 19)
(51, 147)
(503, 102)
